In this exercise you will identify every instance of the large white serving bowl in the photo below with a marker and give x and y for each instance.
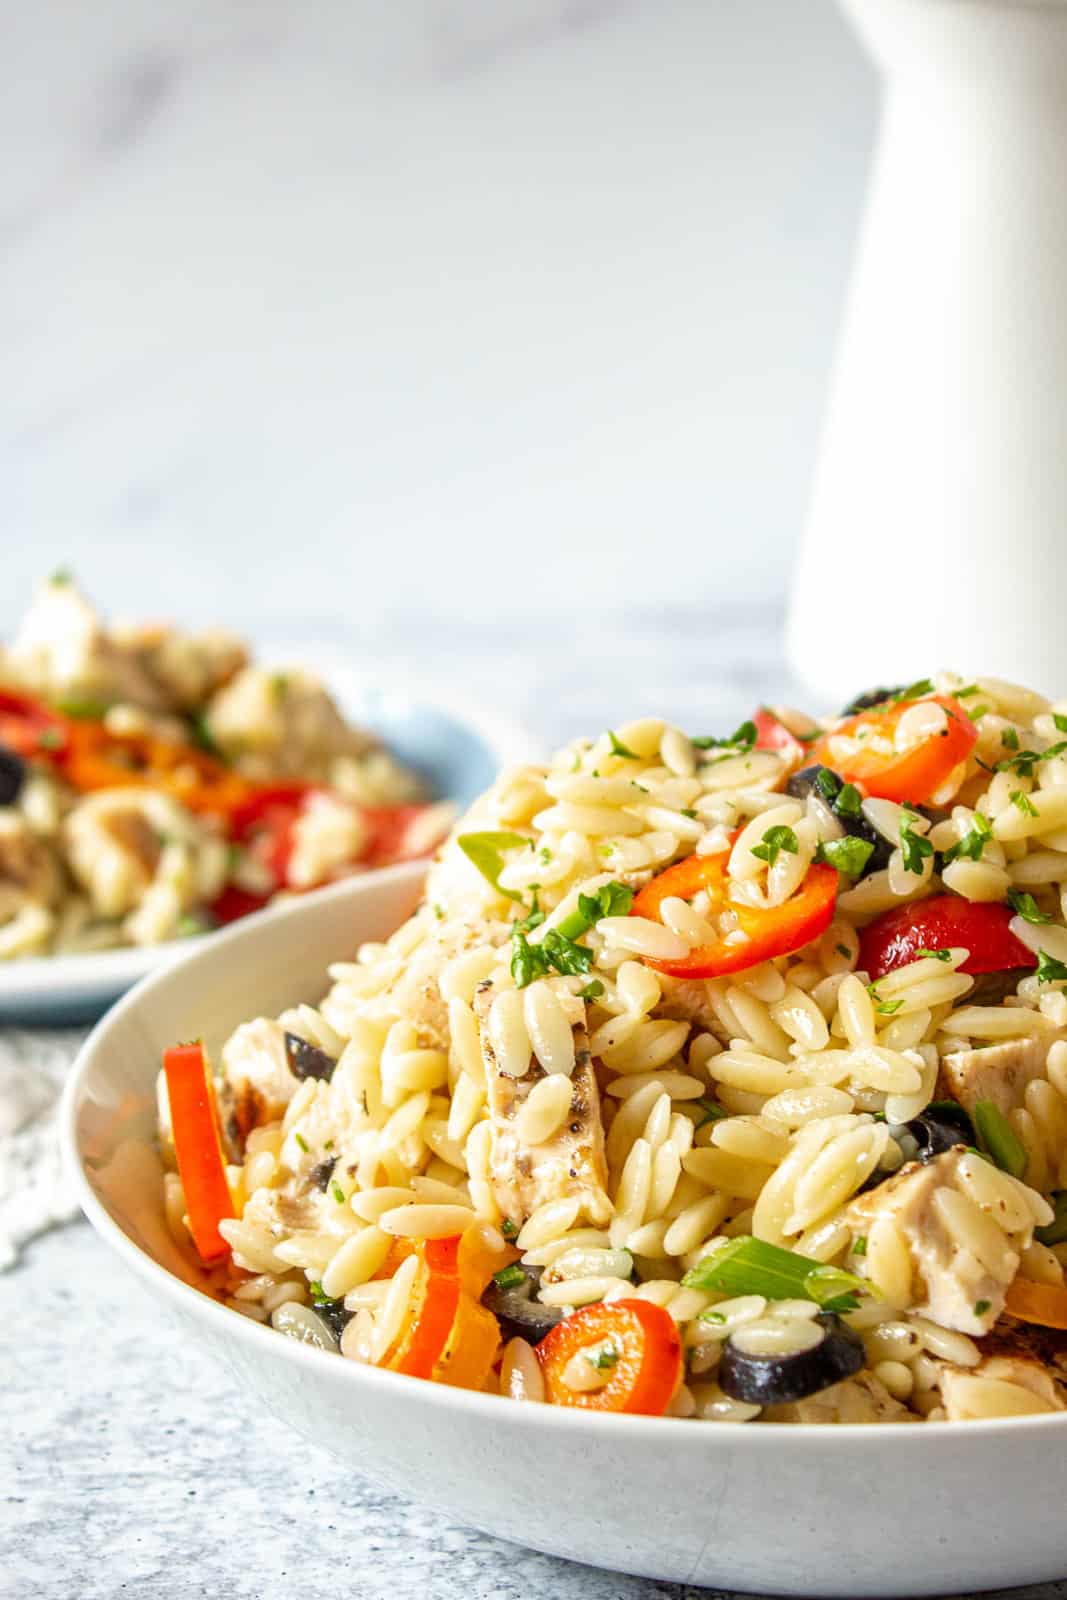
(791, 1510)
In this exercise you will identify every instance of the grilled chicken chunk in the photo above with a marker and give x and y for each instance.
(1011, 1374)
(855, 1400)
(930, 1209)
(257, 1082)
(997, 1072)
(572, 1162)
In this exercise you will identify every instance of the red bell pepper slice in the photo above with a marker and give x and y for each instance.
(198, 1148)
(911, 775)
(769, 932)
(646, 1346)
(32, 730)
(944, 922)
(772, 734)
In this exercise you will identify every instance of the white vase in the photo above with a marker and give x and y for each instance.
(937, 533)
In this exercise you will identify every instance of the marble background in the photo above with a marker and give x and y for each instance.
(473, 341)
(540, 294)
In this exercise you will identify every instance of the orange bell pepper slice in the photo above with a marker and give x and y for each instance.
(98, 759)
(198, 1148)
(448, 1336)
(648, 1357)
(770, 932)
(913, 774)
(1043, 1303)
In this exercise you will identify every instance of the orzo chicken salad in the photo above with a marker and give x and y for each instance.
(718, 1077)
(156, 783)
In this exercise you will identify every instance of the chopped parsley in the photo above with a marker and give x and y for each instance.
(61, 577)
(972, 843)
(1060, 722)
(603, 1359)
(200, 733)
(509, 1277)
(1009, 739)
(1024, 803)
(887, 1008)
(709, 1112)
(1026, 760)
(932, 955)
(338, 1193)
(981, 1307)
(620, 749)
(1049, 970)
(486, 852)
(914, 847)
(301, 1141)
(544, 855)
(610, 900)
(843, 950)
(592, 991)
(775, 840)
(743, 738)
(50, 739)
(439, 913)
(555, 953)
(848, 855)
(1025, 906)
(965, 694)
(849, 802)
(687, 811)
(508, 1228)
(859, 1246)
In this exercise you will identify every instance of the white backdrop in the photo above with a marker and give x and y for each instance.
(447, 307)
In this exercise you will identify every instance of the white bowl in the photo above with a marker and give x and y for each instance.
(457, 749)
(793, 1510)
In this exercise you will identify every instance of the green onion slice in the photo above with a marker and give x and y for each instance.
(998, 1139)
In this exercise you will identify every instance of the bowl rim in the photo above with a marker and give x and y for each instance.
(771, 1437)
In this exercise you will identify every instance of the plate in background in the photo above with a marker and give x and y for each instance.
(455, 749)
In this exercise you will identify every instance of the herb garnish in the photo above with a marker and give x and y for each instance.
(972, 843)
(619, 749)
(1023, 803)
(1049, 970)
(1025, 906)
(775, 840)
(848, 855)
(914, 847)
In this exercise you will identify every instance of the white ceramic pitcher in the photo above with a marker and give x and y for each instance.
(938, 528)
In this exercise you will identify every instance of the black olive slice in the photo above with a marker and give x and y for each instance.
(307, 1060)
(776, 1380)
(12, 776)
(942, 1126)
(826, 783)
(518, 1310)
(334, 1315)
(322, 1172)
(869, 699)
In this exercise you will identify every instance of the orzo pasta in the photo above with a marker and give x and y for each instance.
(718, 1078)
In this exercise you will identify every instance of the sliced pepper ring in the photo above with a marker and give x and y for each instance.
(909, 775)
(648, 1364)
(768, 932)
